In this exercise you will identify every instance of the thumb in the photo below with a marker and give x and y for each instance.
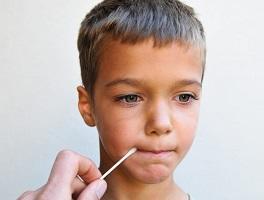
(94, 191)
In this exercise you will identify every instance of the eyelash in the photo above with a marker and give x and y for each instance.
(193, 98)
(124, 98)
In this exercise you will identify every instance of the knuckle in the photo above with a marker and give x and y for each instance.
(68, 155)
(44, 195)
(66, 152)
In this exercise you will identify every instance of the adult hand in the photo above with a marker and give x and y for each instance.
(63, 183)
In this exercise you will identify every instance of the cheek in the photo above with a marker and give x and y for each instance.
(117, 134)
(188, 129)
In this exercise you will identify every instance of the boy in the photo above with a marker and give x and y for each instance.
(142, 65)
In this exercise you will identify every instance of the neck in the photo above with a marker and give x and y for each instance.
(119, 188)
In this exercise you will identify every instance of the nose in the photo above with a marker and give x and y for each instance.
(159, 119)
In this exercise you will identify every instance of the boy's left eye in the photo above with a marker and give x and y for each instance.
(185, 98)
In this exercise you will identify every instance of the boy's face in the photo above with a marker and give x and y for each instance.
(146, 98)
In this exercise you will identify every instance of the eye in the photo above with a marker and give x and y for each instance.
(186, 98)
(129, 99)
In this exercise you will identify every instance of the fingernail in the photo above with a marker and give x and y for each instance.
(100, 189)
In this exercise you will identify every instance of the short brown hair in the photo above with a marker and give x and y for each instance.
(133, 21)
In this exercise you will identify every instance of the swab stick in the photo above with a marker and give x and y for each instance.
(129, 153)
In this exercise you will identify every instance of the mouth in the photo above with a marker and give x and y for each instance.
(155, 153)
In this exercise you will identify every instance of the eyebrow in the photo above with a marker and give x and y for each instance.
(137, 83)
(186, 82)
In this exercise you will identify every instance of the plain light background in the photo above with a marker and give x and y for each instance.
(39, 73)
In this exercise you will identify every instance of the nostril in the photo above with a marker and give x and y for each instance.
(159, 131)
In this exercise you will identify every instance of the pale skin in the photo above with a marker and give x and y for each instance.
(145, 97)
(63, 183)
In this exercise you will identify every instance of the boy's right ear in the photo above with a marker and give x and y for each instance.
(85, 106)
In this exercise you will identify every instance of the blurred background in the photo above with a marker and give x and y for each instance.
(39, 73)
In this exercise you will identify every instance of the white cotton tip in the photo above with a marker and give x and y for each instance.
(129, 153)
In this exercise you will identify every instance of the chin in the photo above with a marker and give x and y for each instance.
(152, 175)
(154, 179)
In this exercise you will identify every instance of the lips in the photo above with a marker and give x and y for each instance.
(154, 151)
(155, 154)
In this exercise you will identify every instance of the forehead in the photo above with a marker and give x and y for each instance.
(144, 60)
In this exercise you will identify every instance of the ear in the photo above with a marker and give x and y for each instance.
(85, 106)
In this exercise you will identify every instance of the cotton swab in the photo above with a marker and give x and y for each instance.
(129, 153)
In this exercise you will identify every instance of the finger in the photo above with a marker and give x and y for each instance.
(28, 195)
(77, 187)
(68, 165)
(94, 191)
